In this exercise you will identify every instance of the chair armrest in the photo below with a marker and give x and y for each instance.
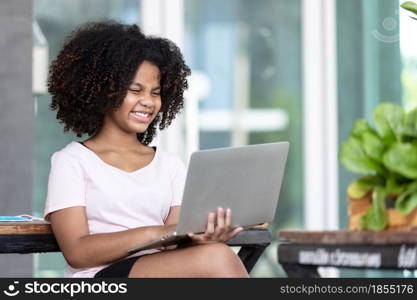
(253, 236)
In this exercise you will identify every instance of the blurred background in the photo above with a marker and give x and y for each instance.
(263, 71)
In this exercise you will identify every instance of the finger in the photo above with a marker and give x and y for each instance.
(234, 233)
(230, 234)
(220, 228)
(228, 222)
(200, 238)
(210, 225)
(197, 238)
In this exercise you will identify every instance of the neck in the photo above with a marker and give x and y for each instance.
(115, 138)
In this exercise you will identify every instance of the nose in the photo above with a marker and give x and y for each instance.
(146, 102)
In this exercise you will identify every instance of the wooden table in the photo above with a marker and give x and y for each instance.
(302, 252)
(37, 236)
(27, 237)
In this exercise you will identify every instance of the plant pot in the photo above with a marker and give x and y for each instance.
(396, 221)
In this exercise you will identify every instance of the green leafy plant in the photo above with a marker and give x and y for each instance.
(386, 157)
(410, 6)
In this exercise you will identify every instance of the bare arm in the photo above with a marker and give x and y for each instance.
(82, 249)
(173, 216)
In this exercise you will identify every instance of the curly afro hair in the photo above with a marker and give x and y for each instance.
(92, 72)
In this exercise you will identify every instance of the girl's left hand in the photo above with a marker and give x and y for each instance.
(217, 232)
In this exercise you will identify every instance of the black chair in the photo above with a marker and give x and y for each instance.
(252, 242)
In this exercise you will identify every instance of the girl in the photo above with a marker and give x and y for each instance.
(113, 192)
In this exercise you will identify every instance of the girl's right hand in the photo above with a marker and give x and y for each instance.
(217, 232)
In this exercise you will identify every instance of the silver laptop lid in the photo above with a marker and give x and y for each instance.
(245, 179)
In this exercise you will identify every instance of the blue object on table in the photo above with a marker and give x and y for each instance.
(15, 218)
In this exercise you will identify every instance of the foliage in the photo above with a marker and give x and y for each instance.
(410, 6)
(386, 156)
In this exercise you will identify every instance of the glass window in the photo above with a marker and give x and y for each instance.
(408, 28)
(250, 53)
(369, 67)
(375, 65)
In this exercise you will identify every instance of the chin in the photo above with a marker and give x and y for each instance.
(138, 129)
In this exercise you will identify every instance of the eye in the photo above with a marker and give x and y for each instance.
(135, 91)
(156, 93)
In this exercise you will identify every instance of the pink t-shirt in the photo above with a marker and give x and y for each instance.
(114, 199)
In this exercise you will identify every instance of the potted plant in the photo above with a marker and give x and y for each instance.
(385, 196)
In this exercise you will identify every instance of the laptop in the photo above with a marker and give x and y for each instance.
(245, 179)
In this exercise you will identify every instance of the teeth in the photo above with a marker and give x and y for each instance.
(140, 114)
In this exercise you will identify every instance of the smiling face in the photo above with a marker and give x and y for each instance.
(142, 102)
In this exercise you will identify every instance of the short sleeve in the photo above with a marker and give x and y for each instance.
(66, 184)
(178, 181)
